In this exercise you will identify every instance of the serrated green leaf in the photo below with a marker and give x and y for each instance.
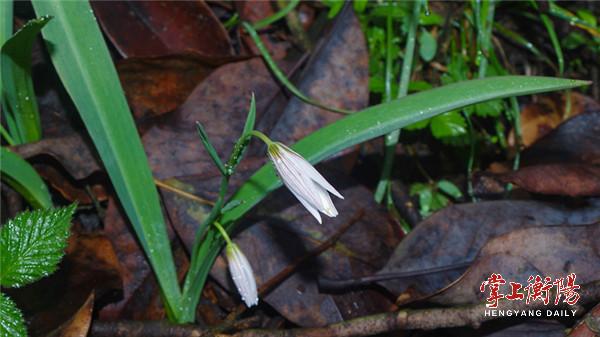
(450, 124)
(449, 188)
(12, 323)
(24, 179)
(19, 99)
(427, 45)
(32, 244)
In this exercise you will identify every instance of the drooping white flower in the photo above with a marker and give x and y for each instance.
(303, 180)
(242, 275)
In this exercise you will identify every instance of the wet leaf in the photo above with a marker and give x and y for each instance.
(32, 244)
(157, 28)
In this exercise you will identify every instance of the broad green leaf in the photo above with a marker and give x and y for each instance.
(449, 188)
(19, 99)
(24, 179)
(381, 119)
(84, 65)
(427, 45)
(11, 319)
(450, 124)
(32, 244)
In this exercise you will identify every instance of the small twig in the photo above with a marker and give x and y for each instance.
(182, 193)
(164, 328)
(328, 284)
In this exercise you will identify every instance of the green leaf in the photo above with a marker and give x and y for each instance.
(360, 5)
(230, 205)
(6, 27)
(431, 19)
(427, 45)
(489, 109)
(32, 244)
(449, 188)
(335, 6)
(19, 98)
(212, 152)
(448, 125)
(84, 65)
(11, 320)
(24, 179)
(438, 201)
(381, 119)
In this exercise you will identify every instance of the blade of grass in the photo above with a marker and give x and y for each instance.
(381, 119)
(281, 76)
(555, 42)
(6, 27)
(19, 98)
(21, 176)
(260, 24)
(83, 63)
(391, 139)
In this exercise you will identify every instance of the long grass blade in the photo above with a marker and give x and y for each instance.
(83, 63)
(21, 176)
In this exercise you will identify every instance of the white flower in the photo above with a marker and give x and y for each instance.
(303, 180)
(242, 275)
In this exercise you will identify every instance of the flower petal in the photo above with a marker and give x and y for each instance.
(242, 275)
(305, 167)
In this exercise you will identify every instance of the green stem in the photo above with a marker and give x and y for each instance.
(484, 32)
(471, 159)
(6, 136)
(391, 139)
(514, 105)
(262, 137)
(223, 232)
(260, 24)
(555, 42)
(281, 76)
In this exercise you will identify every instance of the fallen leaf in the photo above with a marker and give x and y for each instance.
(574, 180)
(156, 28)
(589, 326)
(158, 85)
(545, 251)
(456, 234)
(79, 324)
